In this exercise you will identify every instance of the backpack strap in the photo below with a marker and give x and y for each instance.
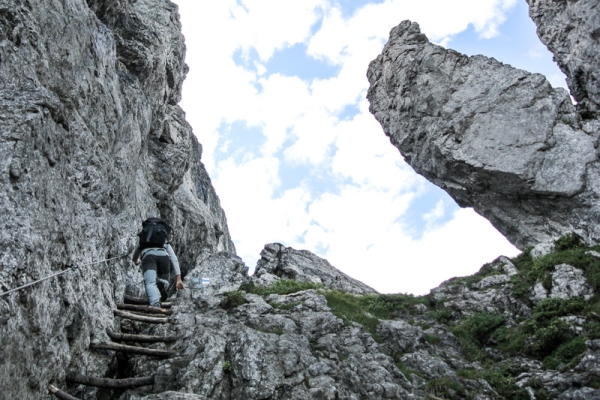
(150, 233)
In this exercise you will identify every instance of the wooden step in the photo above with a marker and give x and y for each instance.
(127, 337)
(132, 349)
(138, 300)
(60, 394)
(141, 318)
(127, 383)
(144, 308)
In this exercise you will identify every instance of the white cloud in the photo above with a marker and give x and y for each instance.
(354, 225)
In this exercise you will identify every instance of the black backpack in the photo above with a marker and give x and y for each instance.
(154, 233)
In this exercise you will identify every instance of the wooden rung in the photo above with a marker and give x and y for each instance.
(127, 337)
(145, 309)
(141, 318)
(138, 300)
(126, 383)
(60, 394)
(132, 349)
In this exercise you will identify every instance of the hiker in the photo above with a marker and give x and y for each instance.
(157, 256)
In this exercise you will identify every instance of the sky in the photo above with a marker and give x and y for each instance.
(276, 94)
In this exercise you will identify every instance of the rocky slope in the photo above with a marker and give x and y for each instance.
(526, 328)
(499, 139)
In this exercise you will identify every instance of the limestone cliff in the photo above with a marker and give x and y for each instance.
(91, 143)
(496, 138)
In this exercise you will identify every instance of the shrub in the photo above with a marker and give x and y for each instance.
(568, 242)
(442, 315)
(479, 327)
(233, 300)
(565, 353)
(548, 338)
(550, 308)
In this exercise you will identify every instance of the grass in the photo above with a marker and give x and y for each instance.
(349, 308)
(500, 380)
(568, 250)
(365, 310)
(287, 306)
(446, 388)
(282, 286)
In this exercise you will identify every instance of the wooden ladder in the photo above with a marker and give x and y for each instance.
(135, 309)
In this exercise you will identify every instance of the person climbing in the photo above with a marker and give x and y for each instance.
(157, 257)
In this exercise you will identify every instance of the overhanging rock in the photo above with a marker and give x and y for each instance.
(496, 138)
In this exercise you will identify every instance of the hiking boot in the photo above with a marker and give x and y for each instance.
(163, 291)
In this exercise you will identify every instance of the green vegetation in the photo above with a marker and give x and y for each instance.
(442, 315)
(407, 372)
(446, 388)
(233, 300)
(566, 353)
(227, 366)
(568, 250)
(432, 339)
(349, 308)
(545, 336)
(287, 306)
(502, 381)
(479, 327)
(282, 286)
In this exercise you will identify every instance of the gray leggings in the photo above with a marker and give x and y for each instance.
(155, 268)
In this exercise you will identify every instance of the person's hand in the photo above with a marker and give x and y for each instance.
(179, 283)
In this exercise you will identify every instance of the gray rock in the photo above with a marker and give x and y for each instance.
(542, 249)
(490, 281)
(431, 367)
(496, 138)
(92, 142)
(568, 281)
(571, 32)
(399, 336)
(538, 293)
(225, 273)
(585, 393)
(593, 253)
(278, 261)
(274, 351)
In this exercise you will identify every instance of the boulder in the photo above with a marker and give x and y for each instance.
(496, 138)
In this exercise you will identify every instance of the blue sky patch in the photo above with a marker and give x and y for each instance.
(239, 141)
(349, 7)
(413, 220)
(349, 112)
(517, 44)
(293, 61)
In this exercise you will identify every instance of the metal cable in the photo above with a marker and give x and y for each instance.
(71, 268)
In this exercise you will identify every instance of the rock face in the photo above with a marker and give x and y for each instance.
(571, 30)
(92, 142)
(486, 336)
(499, 139)
(278, 261)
